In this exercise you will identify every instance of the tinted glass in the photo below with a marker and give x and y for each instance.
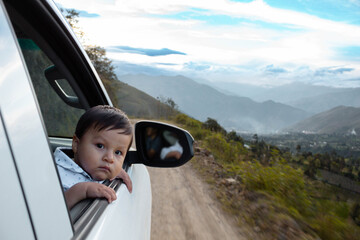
(60, 119)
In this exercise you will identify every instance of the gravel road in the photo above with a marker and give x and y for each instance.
(183, 208)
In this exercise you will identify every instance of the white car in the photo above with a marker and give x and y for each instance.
(46, 83)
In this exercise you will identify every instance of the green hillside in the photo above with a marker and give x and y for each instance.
(135, 102)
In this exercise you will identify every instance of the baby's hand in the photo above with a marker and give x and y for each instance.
(126, 178)
(95, 190)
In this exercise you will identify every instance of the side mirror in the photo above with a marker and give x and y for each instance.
(162, 145)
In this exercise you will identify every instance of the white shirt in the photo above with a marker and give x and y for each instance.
(174, 148)
(70, 173)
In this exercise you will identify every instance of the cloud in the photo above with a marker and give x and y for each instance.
(274, 70)
(196, 66)
(332, 71)
(167, 64)
(86, 14)
(123, 68)
(82, 13)
(144, 51)
(353, 80)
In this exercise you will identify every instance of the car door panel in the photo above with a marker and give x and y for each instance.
(128, 217)
(28, 140)
(13, 208)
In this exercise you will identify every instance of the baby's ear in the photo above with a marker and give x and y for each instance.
(75, 143)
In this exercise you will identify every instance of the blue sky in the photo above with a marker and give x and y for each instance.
(260, 42)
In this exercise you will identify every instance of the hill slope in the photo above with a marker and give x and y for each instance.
(341, 120)
(135, 102)
(202, 101)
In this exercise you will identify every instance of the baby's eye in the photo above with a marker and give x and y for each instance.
(118, 152)
(99, 145)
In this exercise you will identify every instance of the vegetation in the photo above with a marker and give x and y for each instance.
(332, 152)
(261, 184)
(346, 145)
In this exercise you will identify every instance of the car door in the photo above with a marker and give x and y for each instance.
(39, 203)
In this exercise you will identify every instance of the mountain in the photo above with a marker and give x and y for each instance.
(316, 104)
(310, 98)
(284, 93)
(294, 91)
(202, 101)
(237, 89)
(341, 120)
(135, 103)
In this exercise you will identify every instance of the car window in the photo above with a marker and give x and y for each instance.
(60, 119)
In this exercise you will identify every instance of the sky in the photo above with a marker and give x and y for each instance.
(259, 42)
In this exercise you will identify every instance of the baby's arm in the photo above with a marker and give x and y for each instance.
(85, 190)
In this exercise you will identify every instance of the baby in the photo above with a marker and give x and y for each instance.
(102, 138)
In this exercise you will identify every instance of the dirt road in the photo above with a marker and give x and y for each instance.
(182, 208)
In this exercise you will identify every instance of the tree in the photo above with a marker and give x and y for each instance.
(213, 126)
(97, 54)
(255, 138)
(171, 103)
(102, 64)
(71, 15)
(168, 101)
(233, 136)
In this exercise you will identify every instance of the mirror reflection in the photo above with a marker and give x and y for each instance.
(162, 144)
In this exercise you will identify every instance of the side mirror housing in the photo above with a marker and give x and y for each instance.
(162, 145)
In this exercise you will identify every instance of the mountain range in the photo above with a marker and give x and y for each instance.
(251, 108)
(340, 120)
(310, 98)
(202, 101)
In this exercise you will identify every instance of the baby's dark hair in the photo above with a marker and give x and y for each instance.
(103, 117)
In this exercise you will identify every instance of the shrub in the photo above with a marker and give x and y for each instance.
(199, 134)
(187, 121)
(213, 126)
(279, 180)
(355, 213)
(334, 228)
(222, 150)
(233, 136)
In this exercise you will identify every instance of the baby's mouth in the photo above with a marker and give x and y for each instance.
(105, 168)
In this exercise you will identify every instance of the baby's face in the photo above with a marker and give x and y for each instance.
(101, 153)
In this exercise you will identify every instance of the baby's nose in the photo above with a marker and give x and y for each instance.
(109, 157)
